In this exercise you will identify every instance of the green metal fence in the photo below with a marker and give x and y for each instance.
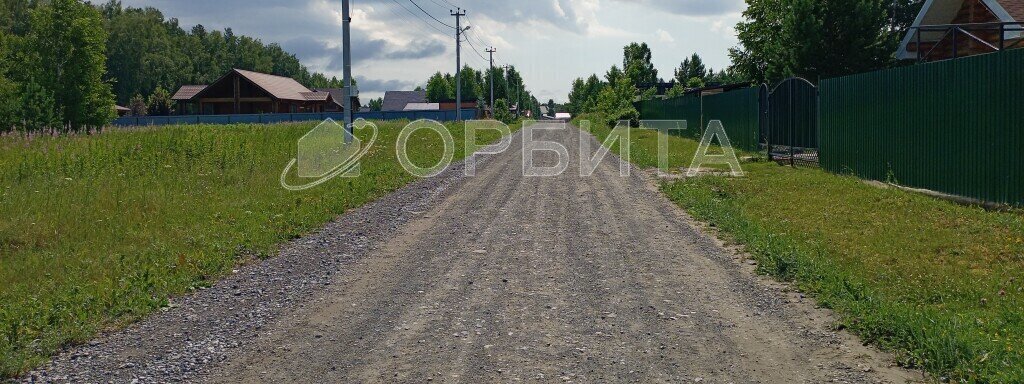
(679, 108)
(740, 112)
(952, 126)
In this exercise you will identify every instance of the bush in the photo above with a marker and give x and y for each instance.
(160, 103)
(501, 112)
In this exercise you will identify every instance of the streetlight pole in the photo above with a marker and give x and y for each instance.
(458, 62)
(347, 58)
(491, 51)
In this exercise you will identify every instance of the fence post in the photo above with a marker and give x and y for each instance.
(792, 126)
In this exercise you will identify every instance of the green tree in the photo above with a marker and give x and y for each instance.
(376, 104)
(649, 94)
(812, 38)
(762, 48)
(66, 47)
(501, 111)
(500, 85)
(141, 54)
(15, 16)
(728, 76)
(691, 67)
(9, 99)
(551, 107)
(577, 96)
(138, 106)
(439, 89)
(637, 65)
(837, 37)
(695, 82)
(160, 103)
(676, 91)
(470, 86)
(38, 109)
(613, 75)
(615, 102)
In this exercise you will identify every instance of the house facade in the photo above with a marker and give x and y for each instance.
(247, 92)
(948, 29)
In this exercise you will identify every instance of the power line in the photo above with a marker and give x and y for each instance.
(421, 18)
(474, 48)
(438, 4)
(449, 3)
(431, 16)
(413, 22)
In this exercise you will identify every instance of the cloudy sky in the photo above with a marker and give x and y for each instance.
(397, 47)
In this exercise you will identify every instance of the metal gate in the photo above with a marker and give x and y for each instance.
(792, 133)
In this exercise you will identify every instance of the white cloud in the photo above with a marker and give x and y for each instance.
(664, 36)
(550, 41)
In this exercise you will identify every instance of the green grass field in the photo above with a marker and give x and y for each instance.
(939, 284)
(100, 230)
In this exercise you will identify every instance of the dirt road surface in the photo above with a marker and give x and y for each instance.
(494, 278)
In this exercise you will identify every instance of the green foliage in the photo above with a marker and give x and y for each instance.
(439, 89)
(9, 98)
(649, 94)
(472, 86)
(145, 51)
(583, 96)
(376, 104)
(138, 106)
(66, 44)
(501, 111)
(813, 39)
(81, 251)
(551, 107)
(160, 103)
(637, 66)
(676, 91)
(615, 103)
(692, 67)
(497, 75)
(728, 76)
(695, 82)
(38, 109)
(613, 75)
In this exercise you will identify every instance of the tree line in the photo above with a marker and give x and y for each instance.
(66, 63)
(778, 39)
(509, 90)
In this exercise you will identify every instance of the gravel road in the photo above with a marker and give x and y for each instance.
(493, 278)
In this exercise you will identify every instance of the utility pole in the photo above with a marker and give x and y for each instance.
(491, 51)
(347, 58)
(459, 13)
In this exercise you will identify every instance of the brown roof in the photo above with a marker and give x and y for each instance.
(316, 96)
(186, 92)
(1014, 7)
(283, 88)
(121, 109)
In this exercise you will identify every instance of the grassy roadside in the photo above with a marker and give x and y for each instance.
(937, 283)
(100, 230)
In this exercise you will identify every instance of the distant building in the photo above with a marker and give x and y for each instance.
(122, 111)
(948, 29)
(396, 101)
(247, 92)
(338, 96)
(422, 107)
(450, 105)
(544, 110)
